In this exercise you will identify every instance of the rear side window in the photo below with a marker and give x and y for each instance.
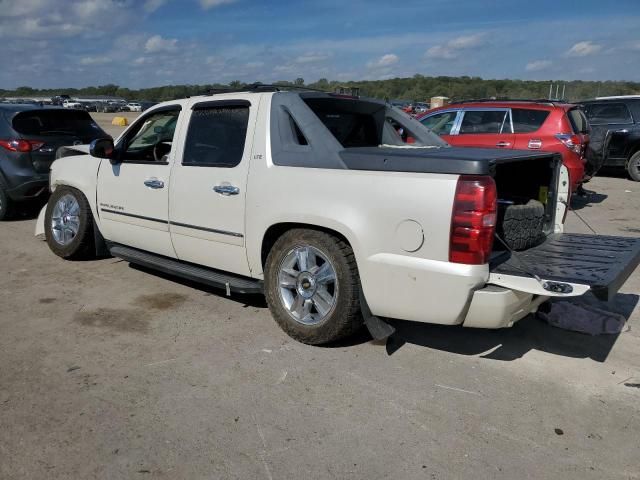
(603, 113)
(216, 136)
(56, 122)
(440, 123)
(527, 120)
(578, 121)
(482, 121)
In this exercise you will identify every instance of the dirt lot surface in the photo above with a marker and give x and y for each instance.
(109, 371)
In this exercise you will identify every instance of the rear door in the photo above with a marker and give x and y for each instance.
(489, 128)
(527, 123)
(615, 117)
(209, 184)
(569, 264)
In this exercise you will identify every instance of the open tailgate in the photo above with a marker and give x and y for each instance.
(569, 264)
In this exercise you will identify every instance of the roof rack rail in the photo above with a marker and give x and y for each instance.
(528, 100)
(260, 87)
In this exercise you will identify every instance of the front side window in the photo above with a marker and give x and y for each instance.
(440, 123)
(608, 113)
(152, 140)
(483, 121)
(216, 136)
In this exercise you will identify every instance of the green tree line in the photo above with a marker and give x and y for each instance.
(416, 88)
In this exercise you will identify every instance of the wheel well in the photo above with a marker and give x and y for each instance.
(276, 231)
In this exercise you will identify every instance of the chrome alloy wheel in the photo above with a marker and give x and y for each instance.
(308, 285)
(65, 220)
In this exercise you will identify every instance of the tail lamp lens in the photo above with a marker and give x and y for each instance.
(20, 145)
(473, 222)
(571, 141)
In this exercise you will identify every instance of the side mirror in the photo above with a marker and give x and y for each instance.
(102, 148)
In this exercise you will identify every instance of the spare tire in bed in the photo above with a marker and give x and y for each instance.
(521, 225)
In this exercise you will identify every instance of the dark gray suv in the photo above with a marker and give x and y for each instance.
(30, 135)
(619, 117)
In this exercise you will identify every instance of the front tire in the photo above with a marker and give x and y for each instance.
(312, 285)
(633, 167)
(69, 224)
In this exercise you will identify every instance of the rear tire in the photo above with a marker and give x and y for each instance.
(312, 286)
(633, 167)
(69, 224)
(6, 204)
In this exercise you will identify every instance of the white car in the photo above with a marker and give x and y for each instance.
(71, 104)
(134, 107)
(314, 200)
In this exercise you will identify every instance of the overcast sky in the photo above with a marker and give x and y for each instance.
(55, 43)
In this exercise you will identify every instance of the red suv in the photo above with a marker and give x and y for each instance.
(518, 124)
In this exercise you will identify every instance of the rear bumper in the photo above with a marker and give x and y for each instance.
(33, 188)
(498, 307)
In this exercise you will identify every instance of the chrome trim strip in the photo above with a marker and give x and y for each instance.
(177, 224)
(141, 217)
(205, 229)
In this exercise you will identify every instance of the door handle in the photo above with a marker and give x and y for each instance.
(624, 130)
(226, 190)
(503, 144)
(153, 183)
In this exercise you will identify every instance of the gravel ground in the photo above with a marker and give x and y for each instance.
(109, 371)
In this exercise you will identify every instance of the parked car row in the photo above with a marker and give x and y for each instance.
(520, 125)
(589, 135)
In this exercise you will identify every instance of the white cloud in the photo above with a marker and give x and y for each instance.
(454, 47)
(157, 44)
(312, 57)
(584, 49)
(537, 65)
(153, 5)
(207, 4)
(40, 19)
(384, 61)
(98, 60)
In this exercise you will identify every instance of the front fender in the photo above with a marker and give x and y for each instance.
(79, 172)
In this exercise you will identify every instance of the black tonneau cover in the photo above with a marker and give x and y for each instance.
(452, 160)
(602, 262)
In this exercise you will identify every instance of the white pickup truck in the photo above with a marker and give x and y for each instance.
(339, 209)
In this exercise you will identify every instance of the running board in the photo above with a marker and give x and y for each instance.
(189, 271)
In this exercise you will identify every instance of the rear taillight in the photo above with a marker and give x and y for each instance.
(571, 141)
(473, 221)
(20, 145)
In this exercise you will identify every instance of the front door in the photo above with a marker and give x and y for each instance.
(442, 123)
(133, 195)
(209, 183)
